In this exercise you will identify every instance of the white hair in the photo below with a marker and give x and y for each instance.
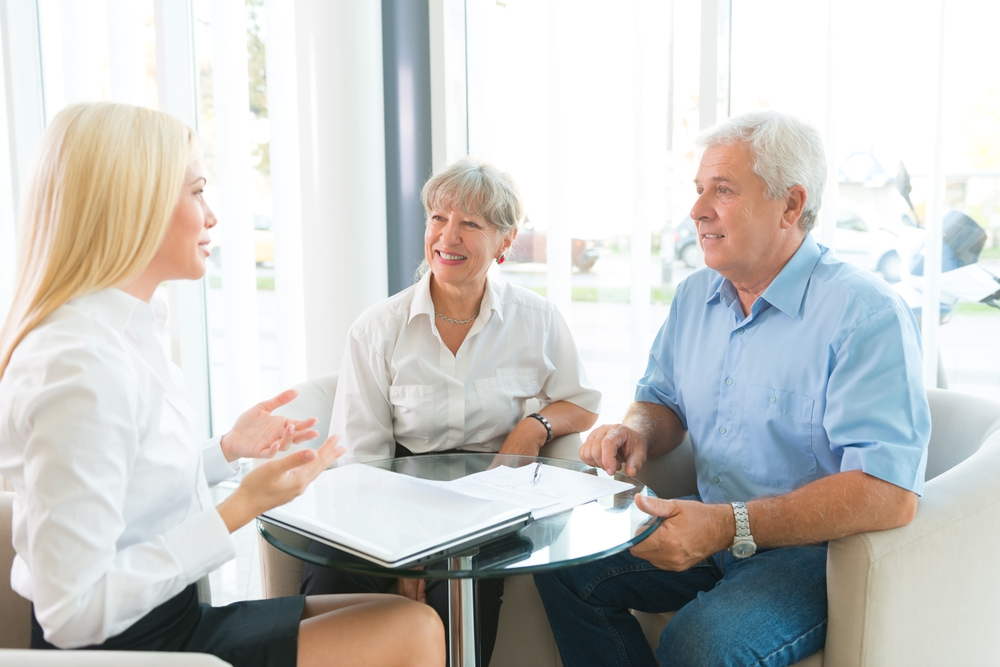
(478, 188)
(785, 151)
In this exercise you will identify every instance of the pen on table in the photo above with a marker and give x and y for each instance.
(538, 472)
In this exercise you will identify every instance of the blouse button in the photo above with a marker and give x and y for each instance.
(774, 399)
(722, 430)
(729, 381)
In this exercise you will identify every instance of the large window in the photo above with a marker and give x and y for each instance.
(580, 102)
(869, 85)
(593, 108)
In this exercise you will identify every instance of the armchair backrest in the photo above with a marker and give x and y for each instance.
(315, 399)
(15, 611)
(960, 423)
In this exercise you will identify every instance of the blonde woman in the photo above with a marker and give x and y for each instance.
(113, 522)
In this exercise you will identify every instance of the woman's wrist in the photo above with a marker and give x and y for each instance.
(535, 430)
(236, 511)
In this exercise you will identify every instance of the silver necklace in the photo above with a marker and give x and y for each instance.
(448, 319)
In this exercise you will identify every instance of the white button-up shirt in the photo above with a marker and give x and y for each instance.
(400, 383)
(112, 513)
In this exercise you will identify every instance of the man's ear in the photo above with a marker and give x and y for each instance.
(795, 204)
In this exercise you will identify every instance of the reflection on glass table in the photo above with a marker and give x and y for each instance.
(588, 532)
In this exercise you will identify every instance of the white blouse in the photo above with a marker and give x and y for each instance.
(112, 513)
(400, 383)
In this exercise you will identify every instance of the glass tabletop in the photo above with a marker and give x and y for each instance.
(586, 533)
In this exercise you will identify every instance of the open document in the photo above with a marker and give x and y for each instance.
(543, 489)
(395, 520)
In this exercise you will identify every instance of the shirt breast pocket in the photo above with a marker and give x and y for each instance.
(502, 399)
(777, 438)
(412, 410)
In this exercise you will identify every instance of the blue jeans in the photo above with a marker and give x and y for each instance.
(769, 609)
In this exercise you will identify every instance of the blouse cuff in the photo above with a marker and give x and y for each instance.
(201, 544)
(217, 468)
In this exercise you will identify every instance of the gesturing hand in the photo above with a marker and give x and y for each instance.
(260, 435)
(276, 483)
(691, 532)
(609, 445)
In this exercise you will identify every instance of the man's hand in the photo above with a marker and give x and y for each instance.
(611, 444)
(691, 532)
(415, 589)
(260, 435)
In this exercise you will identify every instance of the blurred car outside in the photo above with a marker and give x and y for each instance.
(263, 242)
(862, 237)
(530, 246)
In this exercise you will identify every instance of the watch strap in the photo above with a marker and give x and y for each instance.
(545, 423)
(742, 520)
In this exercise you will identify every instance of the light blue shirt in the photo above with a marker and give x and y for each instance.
(824, 375)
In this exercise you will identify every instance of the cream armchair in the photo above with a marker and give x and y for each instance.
(15, 626)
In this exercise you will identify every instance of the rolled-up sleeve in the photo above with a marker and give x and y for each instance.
(362, 413)
(877, 414)
(657, 385)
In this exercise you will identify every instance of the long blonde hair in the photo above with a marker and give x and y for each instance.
(102, 186)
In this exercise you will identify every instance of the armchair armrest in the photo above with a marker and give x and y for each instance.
(925, 593)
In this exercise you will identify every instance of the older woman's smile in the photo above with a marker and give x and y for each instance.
(450, 257)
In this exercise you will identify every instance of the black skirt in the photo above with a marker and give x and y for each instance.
(257, 633)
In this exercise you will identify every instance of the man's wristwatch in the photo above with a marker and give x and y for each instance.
(743, 544)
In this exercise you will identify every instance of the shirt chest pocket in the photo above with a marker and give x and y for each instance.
(502, 399)
(412, 410)
(777, 438)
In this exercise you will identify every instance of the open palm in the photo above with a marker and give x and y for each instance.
(259, 434)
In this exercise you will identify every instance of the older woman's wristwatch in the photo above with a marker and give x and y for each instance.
(743, 544)
(545, 423)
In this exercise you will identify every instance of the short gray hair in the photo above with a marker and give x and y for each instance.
(477, 188)
(785, 151)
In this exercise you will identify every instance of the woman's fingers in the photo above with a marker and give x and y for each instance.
(281, 399)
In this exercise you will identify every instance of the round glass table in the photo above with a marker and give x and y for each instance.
(585, 533)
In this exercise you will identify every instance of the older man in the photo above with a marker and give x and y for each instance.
(798, 378)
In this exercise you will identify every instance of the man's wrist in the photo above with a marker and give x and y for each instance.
(727, 526)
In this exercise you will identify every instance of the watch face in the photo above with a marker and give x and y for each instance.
(744, 549)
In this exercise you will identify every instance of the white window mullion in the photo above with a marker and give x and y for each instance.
(25, 109)
(176, 87)
(231, 97)
(283, 114)
(449, 101)
(931, 310)
(559, 256)
(126, 51)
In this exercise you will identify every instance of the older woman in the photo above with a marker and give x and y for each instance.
(448, 364)
(113, 521)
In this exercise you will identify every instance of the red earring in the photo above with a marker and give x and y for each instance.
(501, 258)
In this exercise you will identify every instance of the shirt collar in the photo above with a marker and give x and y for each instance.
(423, 305)
(787, 289)
(113, 307)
